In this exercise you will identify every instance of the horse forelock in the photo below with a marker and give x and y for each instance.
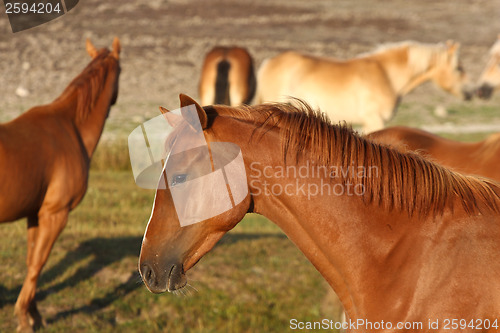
(405, 181)
(90, 83)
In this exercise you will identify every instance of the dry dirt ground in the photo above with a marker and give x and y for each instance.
(164, 43)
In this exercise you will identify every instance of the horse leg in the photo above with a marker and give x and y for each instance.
(41, 238)
(22, 311)
(36, 319)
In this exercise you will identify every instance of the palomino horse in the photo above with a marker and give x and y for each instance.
(366, 89)
(473, 158)
(45, 159)
(227, 77)
(490, 78)
(408, 241)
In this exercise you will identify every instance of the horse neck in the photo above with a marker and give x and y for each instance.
(342, 236)
(403, 77)
(91, 125)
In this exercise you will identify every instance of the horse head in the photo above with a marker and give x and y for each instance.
(490, 77)
(184, 225)
(450, 74)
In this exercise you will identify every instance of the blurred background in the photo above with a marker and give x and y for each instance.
(255, 280)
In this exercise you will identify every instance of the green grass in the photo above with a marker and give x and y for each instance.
(112, 155)
(254, 280)
(417, 115)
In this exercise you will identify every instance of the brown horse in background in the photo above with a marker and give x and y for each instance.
(366, 89)
(419, 242)
(472, 158)
(227, 77)
(490, 78)
(45, 158)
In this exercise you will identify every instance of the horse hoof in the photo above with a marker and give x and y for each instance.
(24, 329)
(36, 321)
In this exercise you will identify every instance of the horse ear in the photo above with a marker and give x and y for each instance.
(202, 115)
(163, 110)
(91, 50)
(172, 118)
(452, 46)
(116, 48)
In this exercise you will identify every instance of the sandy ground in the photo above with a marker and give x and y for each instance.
(164, 43)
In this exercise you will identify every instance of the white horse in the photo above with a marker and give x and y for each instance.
(366, 89)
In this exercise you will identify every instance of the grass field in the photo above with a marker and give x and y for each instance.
(251, 281)
(254, 280)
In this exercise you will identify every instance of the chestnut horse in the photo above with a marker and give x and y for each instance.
(45, 158)
(227, 77)
(490, 78)
(411, 241)
(472, 158)
(366, 89)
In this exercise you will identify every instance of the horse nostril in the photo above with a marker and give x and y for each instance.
(148, 275)
(468, 95)
(485, 91)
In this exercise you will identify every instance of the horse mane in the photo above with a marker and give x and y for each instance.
(406, 182)
(89, 84)
(420, 55)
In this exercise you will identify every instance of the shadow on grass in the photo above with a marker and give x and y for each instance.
(104, 252)
(8, 296)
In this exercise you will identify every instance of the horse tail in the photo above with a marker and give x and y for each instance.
(222, 83)
(252, 84)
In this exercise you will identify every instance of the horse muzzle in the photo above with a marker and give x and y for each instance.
(485, 91)
(159, 281)
(467, 94)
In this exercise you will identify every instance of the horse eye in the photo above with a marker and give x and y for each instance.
(178, 179)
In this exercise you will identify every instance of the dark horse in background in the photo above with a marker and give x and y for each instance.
(227, 77)
(45, 158)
